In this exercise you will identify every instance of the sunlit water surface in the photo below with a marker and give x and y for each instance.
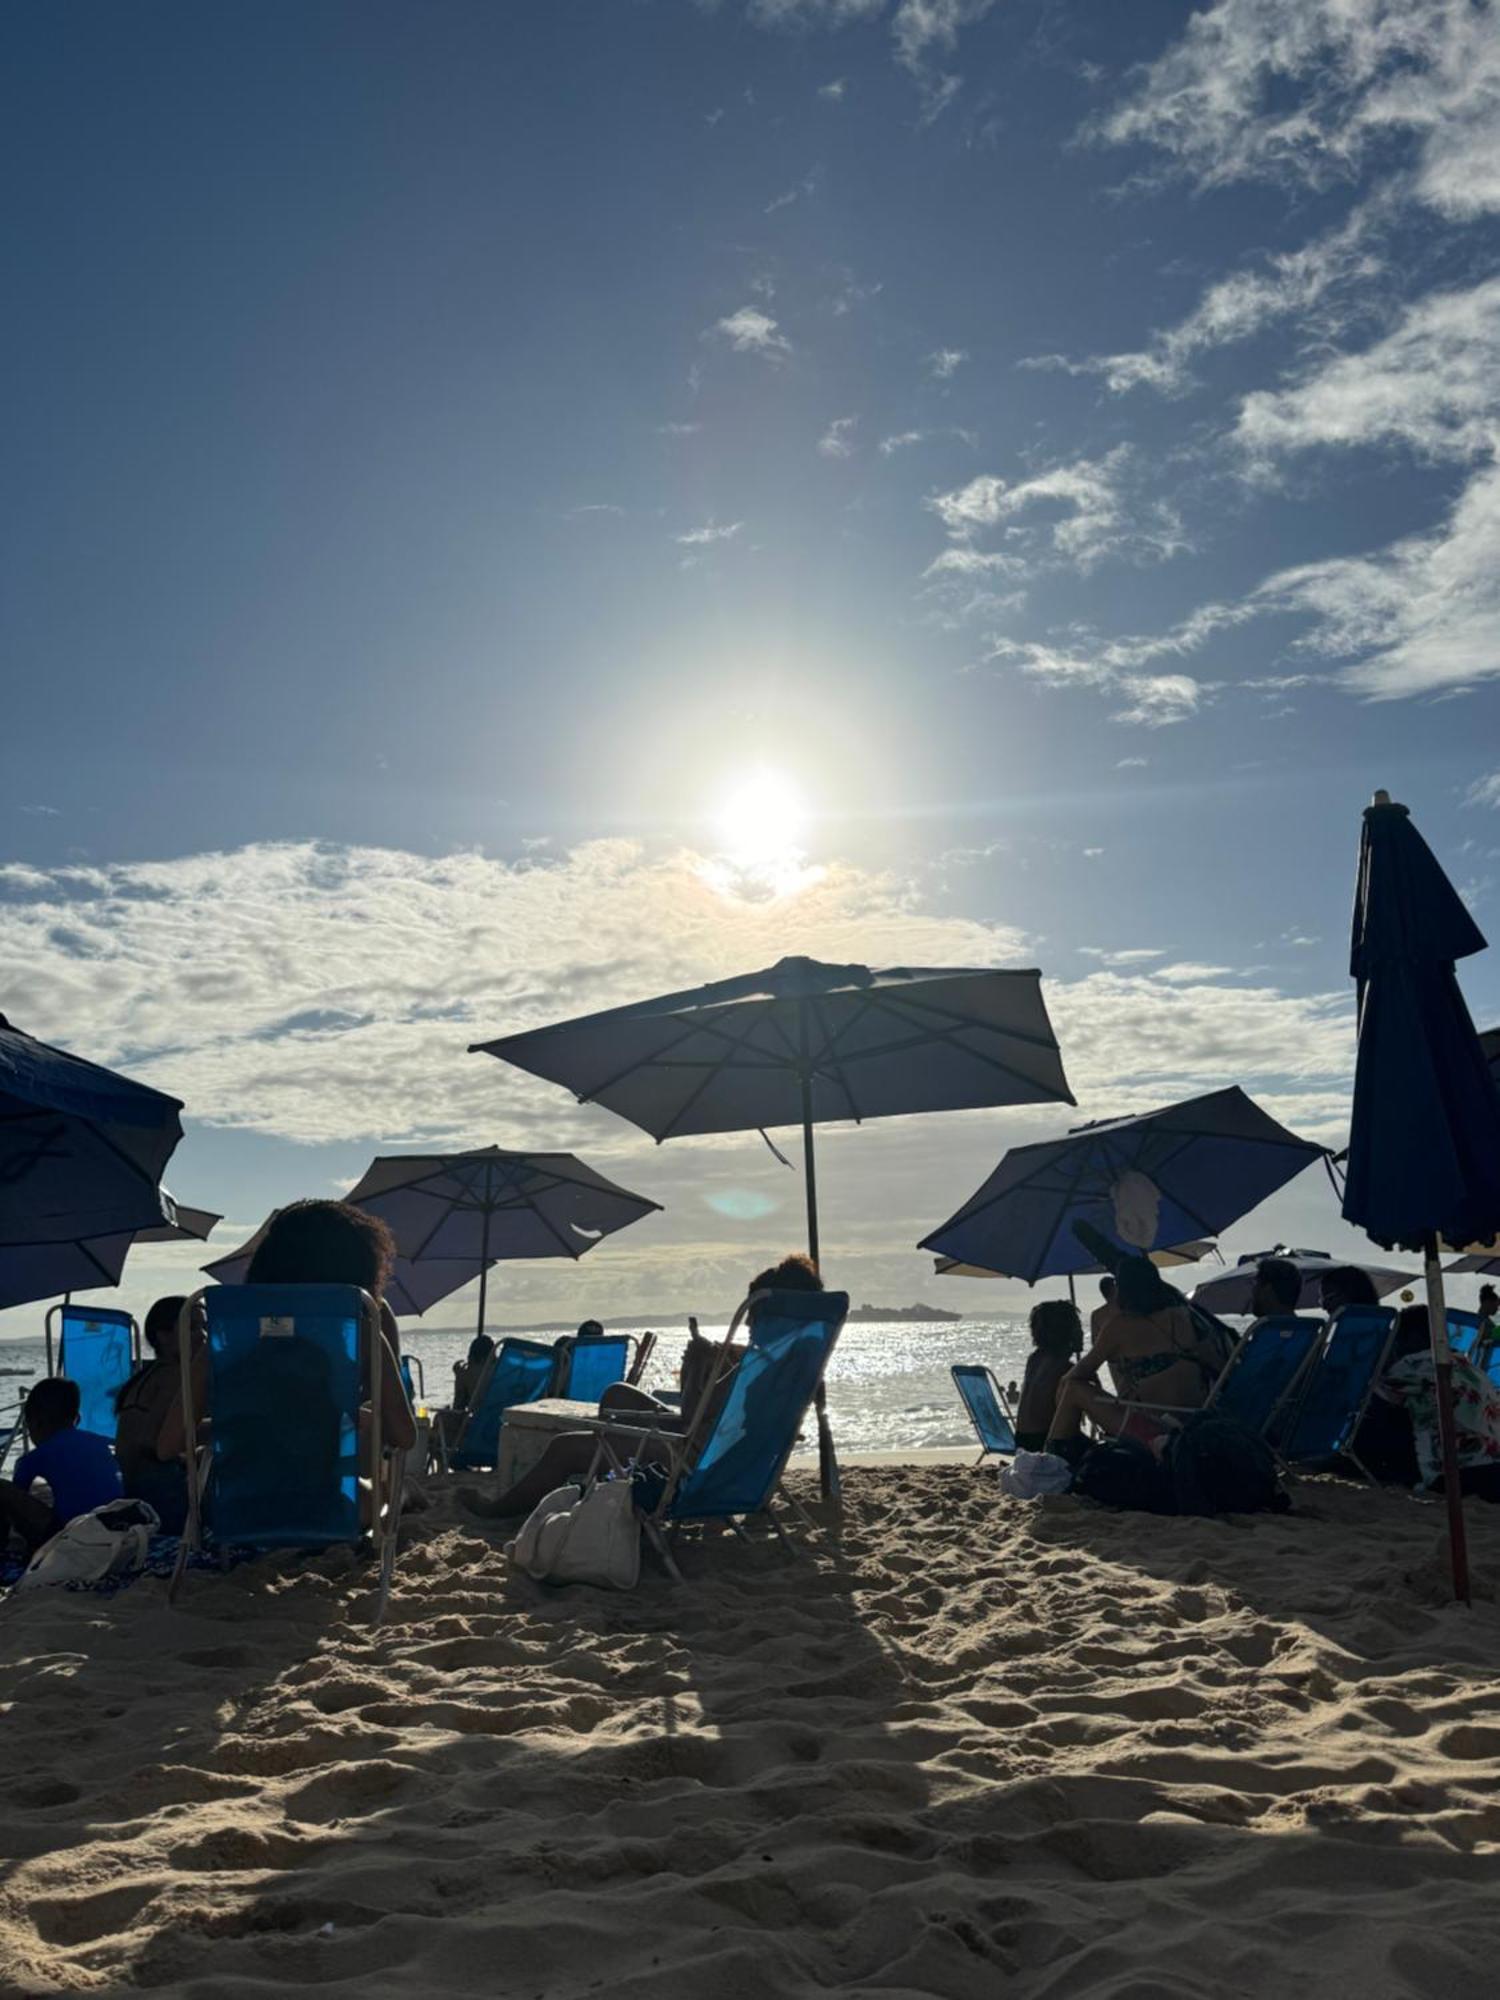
(888, 1388)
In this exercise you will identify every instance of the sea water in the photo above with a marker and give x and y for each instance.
(889, 1388)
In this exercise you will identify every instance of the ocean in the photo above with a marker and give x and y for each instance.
(888, 1387)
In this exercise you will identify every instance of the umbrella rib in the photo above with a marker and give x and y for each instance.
(707, 1078)
(830, 1043)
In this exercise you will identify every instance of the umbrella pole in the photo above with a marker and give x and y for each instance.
(828, 1465)
(1442, 1367)
(484, 1255)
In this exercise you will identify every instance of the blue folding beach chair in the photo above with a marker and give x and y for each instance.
(413, 1379)
(284, 1466)
(519, 1371)
(1338, 1387)
(594, 1366)
(1262, 1378)
(96, 1347)
(728, 1464)
(985, 1403)
(1463, 1331)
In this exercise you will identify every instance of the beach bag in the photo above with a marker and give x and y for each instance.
(1118, 1472)
(113, 1540)
(573, 1536)
(1030, 1474)
(1216, 1466)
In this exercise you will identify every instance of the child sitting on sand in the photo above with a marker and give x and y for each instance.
(77, 1466)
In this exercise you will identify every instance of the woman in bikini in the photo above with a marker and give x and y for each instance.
(1152, 1348)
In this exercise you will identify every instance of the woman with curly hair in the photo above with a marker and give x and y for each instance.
(322, 1243)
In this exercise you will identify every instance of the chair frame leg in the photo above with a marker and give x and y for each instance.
(659, 1547)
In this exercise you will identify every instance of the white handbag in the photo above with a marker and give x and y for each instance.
(572, 1536)
(113, 1540)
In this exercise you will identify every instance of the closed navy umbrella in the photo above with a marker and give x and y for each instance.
(82, 1152)
(1424, 1143)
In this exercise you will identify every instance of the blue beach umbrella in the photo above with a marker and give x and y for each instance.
(1424, 1142)
(1144, 1183)
(82, 1152)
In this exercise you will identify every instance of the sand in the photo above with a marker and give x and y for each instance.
(974, 1747)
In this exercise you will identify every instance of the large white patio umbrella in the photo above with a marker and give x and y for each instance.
(453, 1215)
(802, 1043)
(1229, 1291)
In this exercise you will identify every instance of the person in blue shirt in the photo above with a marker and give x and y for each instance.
(77, 1466)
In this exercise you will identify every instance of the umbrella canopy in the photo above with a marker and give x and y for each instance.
(802, 1043)
(1478, 1264)
(81, 1156)
(1144, 1183)
(454, 1215)
(1424, 1141)
(1179, 1253)
(48, 1270)
(1229, 1291)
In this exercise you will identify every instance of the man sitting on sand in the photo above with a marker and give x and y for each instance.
(77, 1466)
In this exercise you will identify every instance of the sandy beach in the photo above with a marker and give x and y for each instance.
(972, 1745)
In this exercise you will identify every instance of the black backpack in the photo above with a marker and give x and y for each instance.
(1118, 1472)
(1215, 1466)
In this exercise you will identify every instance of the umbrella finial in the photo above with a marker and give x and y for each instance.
(1381, 798)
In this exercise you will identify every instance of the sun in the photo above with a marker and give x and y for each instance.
(761, 822)
(760, 826)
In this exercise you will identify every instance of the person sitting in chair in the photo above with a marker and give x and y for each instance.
(1151, 1345)
(322, 1243)
(141, 1408)
(704, 1388)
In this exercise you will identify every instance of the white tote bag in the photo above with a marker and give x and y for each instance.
(113, 1540)
(575, 1537)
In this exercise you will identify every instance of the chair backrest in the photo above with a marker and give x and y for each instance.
(96, 1348)
(594, 1365)
(285, 1385)
(519, 1371)
(413, 1379)
(1264, 1368)
(1339, 1383)
(981, 1398)
(745, 1449)
(1463, 1331)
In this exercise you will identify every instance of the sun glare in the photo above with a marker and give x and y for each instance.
(760, 828)
(761, 821)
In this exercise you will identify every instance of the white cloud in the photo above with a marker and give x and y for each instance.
(1085, 509)
(328, 994)
(1188, 973)
(1433, 383)
(1155, 700)
(966, 562)
(900, 441)
(1484, 791)
(946, 362)
(1292, 283)
(1131, 763)
(750, 331)
(1135, 955)
(1307, 89)
(704, 537)
(679, 430)
(835, 92)
(838, 440)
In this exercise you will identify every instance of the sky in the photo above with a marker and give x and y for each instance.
(515, 509)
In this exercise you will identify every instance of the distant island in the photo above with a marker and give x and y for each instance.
(858, 1316)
